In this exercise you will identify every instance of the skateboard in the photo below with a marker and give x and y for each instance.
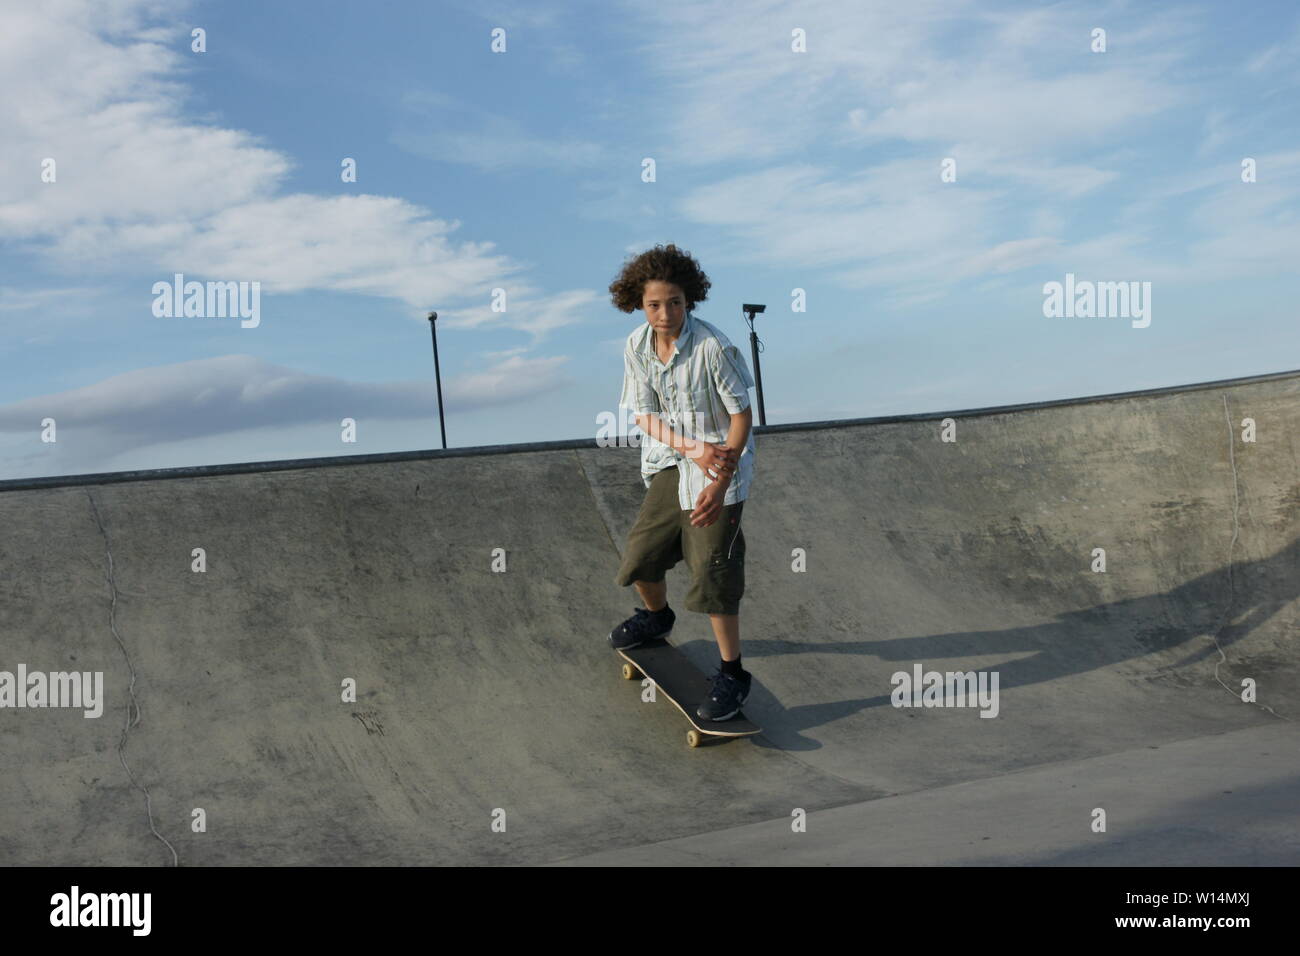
(682, 683)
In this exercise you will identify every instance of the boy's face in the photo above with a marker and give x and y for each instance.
(665, 306)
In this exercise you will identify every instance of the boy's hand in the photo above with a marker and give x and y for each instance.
(708, 506)
(716, 461)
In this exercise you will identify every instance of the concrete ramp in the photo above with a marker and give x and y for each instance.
(467, 595)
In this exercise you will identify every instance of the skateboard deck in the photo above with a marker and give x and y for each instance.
(682, 683)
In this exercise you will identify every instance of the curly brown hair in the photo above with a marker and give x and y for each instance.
(663, 264)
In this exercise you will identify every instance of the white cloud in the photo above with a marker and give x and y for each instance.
(141, 189)
(1048, 136)
(895, 222)
(529, 312)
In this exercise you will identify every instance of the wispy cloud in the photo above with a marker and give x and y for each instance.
(1040, 127)
(235, 392)
(437, 126)
(29, 300)
(1279, 60)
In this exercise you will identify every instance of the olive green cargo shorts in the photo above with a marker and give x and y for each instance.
(663, 535)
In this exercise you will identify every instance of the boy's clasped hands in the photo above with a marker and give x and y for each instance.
(719, 463)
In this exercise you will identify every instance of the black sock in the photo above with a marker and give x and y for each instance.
(732, 667)
(662, 610)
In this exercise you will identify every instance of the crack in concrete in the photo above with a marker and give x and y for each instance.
(586, 479)
(1236, 530)
(132, 704)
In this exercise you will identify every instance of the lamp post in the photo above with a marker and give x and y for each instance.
(750, 311)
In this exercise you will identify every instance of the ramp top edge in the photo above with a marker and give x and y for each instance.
(293, 464)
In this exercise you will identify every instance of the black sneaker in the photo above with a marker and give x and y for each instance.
(643, 627)
(725, 696)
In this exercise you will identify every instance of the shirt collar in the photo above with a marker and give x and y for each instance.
(688, 328)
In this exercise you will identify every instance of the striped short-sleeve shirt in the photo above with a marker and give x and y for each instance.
(704, 383)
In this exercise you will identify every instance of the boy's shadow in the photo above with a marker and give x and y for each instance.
(1073, 643)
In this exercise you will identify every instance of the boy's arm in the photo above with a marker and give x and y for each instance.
(658, 429)
(732, 380)
(738, 433)
(737, 436)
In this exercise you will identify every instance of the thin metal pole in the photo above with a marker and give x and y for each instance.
(753, 351)
(437, 374)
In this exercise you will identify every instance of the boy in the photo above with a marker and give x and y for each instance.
(688, 387)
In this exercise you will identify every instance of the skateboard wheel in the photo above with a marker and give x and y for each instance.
(630, 672)
(694, 738)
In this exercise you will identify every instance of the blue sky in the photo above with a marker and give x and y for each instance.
(521, 170)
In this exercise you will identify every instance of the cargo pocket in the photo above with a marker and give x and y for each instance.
(726, 569)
